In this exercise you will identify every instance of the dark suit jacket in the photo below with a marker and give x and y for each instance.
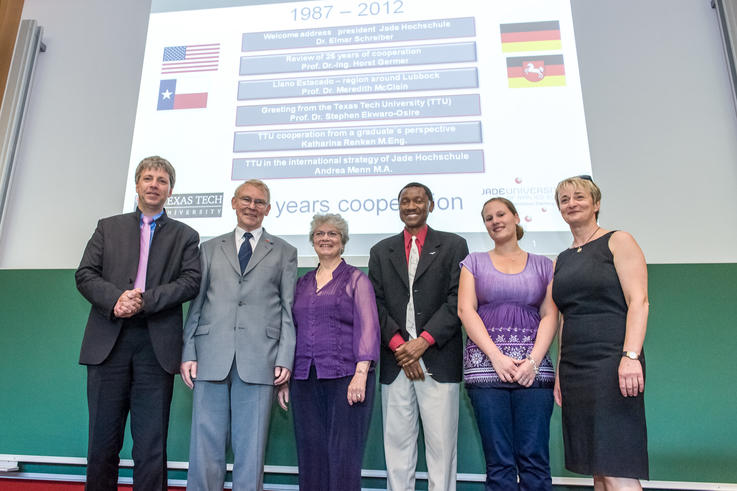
(109, 267)
(435, 293)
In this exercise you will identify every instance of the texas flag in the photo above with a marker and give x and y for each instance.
(169, 98)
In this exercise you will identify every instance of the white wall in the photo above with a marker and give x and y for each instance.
(73, 159)
(662, 127)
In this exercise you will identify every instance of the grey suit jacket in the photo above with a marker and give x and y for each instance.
(247, 316)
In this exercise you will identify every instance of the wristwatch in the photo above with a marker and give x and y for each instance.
(632, 355)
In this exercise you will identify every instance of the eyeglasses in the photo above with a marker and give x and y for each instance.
(585, 177)
(258, 203)
(330, 233)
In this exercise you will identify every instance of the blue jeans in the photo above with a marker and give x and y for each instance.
(515, 433)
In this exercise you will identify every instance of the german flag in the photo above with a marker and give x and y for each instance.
(530, 36)
(536, 71)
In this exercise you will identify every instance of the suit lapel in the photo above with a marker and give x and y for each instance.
(133, 249)
(157, 253)
(398, 258)
(430, 251)
(161, 222)
(228, 247)
(263, 247)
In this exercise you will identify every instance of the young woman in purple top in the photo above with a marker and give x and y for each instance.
(333, 379)
(505, 304)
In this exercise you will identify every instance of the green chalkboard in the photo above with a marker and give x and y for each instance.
(691, 397)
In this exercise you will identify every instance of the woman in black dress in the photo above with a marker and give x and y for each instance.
(600, 287)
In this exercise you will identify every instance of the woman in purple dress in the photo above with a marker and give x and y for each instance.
(505, 304)
(337, 348)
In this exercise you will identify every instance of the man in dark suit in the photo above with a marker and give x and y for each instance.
(415, 275)
(137, 270)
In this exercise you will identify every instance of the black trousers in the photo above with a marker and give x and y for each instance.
(129, 380)
(331, 434)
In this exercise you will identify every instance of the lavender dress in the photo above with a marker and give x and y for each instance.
(509, 306)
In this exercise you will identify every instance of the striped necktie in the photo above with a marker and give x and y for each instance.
(244, 253)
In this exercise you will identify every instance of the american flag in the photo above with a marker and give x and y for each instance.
(193, 58)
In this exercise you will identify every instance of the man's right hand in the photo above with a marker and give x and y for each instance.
(413, 371)
(411, 351)
(129, 304)
(188, 370)
(282, 396)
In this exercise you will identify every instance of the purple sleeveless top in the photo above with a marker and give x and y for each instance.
(509, 306)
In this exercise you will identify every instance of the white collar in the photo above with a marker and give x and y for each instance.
(239, 235)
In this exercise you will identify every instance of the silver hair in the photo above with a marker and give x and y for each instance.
(257, 183)
(333, 219)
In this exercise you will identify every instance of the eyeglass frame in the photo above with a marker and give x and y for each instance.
(333, 234)
(258, 203)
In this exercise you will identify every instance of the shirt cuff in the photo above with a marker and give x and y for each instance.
(396, 342)
(428, 337)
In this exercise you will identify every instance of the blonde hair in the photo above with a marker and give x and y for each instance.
(580, 182)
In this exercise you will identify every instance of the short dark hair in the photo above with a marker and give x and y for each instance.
(417, 185)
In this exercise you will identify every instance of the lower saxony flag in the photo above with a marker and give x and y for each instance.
(536, 71)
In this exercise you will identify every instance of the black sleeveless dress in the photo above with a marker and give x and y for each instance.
(604, 433)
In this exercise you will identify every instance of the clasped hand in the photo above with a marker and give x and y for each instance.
(512, 370)
(129, 304)
(408, 357)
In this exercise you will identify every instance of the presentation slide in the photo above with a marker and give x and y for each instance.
(337, 105)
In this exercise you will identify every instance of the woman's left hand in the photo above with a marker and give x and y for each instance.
(631, 380)
(525, 373)
(357, 388)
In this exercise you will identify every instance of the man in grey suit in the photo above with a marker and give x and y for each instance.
(238, 344)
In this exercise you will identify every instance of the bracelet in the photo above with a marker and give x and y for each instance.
(533, 363)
